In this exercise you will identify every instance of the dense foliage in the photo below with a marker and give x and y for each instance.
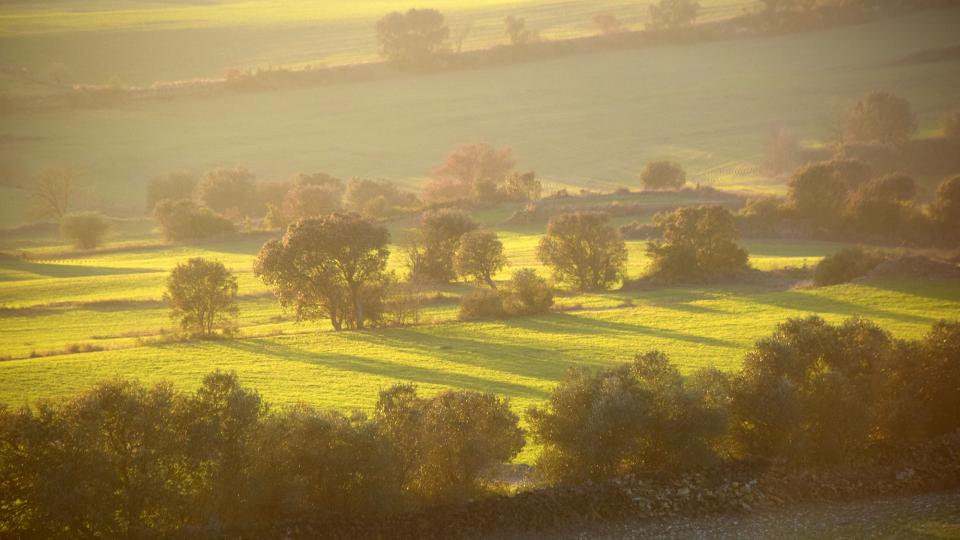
(584, 249)
(479, 256)
(84, 230)
(435, 243)
(698, 242)
(184, 220)
(662, 175)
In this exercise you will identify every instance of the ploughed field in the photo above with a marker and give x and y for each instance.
(58, 302)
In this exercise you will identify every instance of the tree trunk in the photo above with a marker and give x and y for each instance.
(490, 282)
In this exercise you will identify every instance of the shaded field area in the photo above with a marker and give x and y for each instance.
(582, 121)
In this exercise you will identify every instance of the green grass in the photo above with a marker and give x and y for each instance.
(110, 300)
(708, 106)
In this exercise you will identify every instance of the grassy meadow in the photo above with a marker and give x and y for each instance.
(590, 120)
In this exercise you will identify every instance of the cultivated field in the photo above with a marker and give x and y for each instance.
(588, 120)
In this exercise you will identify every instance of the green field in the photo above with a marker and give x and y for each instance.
(591, 120)
(111, 300)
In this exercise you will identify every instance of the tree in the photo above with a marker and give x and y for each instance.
(174, 186)
(377, 198)
(584, 249)
(516, 29)
(816, 194)
(327, 267)
(608, 24)
(447, 442)
(662, 175)
(473, 171)
(479, 255)
(52, 191)
(883, 208)
(523, 187)
(84, 230)
(638, 417)
(951, 125)
(880, 117)
(698, 242)
(202, 295)
(413, 39)
(946, 207)
(185, 220)
(672, 14)
(526, 294)
(229, 191)
(435, 243)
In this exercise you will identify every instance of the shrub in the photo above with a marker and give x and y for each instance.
(202, 295)
(845, 265)
(85, 230)
(481, 304)
(698, 242)
(527, 294)
(658, 175)
(638, 417)
(185, 220)
(584, 249)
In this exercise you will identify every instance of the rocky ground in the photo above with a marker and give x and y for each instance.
(934, 515)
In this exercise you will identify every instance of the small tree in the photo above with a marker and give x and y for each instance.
(516, 29)
(698, 242)
(174, 186)
(229, 191)
(435, 243)
(479, 256)
(527, 294)
(202, 295)
(328, 267)
(658, 175)
(413, 39)
(584, 249)
(673, 14)
(880, 117)
(951, 125)
(85, 230)
(523, 186)
(52, 191)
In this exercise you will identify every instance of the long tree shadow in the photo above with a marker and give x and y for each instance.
(384, 368)
(936, 289)
(563, 323)
(818, 304)
(63, 270)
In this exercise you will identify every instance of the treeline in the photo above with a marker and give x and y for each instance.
(127, 460)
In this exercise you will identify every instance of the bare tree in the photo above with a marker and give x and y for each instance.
(52, 191)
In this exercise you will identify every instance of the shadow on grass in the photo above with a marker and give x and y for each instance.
(384, 368)
(935, 289)
(812, 304)
(64, 270)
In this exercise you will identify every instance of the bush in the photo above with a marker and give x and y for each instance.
(184, 220)
(85, 230)
(638, 417)
(527, 294)
(481, 304)
(658, 175)
(845, 265)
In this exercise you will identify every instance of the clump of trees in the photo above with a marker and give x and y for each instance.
(880, 117)
(672, 14)
(312, 195)
(84, 230)
(783, 404)
(516, 30)
(526, 293)
(481, 174)
(229, 191)
(173, 186)
(332, 267)
(124, 460)
(202, 296)
(584, 249)
(184, 220)
(377, 198)
(698, 243)
(846, 265)
(431, 257)
(414, 39)
(659, 175)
